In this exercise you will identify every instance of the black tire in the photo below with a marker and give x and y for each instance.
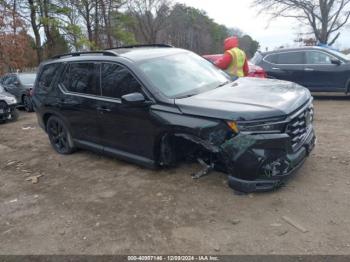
(27, 103)
(59, 136)
(14, 115)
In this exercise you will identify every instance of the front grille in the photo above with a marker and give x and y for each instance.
(298, 127)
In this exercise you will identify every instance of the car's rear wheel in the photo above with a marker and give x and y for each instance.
(27, 102)
(59, 136)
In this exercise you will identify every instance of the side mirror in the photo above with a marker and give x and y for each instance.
(16, 83)
(335, 61)
(134, 99)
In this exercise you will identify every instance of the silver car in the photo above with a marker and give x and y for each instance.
(8, 103)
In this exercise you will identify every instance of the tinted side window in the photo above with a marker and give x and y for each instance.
(272, 58)
(46, 77)
(3, 79)
(117, 81)
(318, 58)
(9, 80)
(82, 78)
(291, 58)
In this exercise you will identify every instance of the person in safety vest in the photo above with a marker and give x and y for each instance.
(234, 61)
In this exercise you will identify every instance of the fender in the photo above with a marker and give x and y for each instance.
(45, 116)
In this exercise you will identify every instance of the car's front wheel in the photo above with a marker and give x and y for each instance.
(59, 136)
(3, 108)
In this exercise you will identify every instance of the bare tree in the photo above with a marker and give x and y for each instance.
(150, 16)
(324, 17)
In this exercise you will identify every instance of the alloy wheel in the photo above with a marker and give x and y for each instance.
(58, 136)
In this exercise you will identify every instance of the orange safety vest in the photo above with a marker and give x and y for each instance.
(238, 59)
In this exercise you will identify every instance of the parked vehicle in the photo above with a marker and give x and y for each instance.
(317, 68)
(7, 106)
(158, 105)
(254, 70)
(20, 85)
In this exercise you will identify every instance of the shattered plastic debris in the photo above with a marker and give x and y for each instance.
(294, 224)
(34, 179)
(13, 201)
(28, 127)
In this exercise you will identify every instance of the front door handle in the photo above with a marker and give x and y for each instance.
(276, 68)
(308, 69)
(104, 109)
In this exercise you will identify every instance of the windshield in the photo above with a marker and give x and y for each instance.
(27, 79)
(337, 53)
(256, 58)
(182, 75)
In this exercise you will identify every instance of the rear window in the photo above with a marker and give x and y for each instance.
(46, 77)
(27, 79)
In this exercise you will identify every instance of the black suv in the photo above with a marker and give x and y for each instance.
(158, 105)
(317, 68)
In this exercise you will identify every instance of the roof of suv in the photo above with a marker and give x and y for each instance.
(296, 49)
(134, 53)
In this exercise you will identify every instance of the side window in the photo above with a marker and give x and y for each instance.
(318, 58)
(46, 77)
(9, 80)
(291, 58)
(272, 58)
(3, 79)
(117, 81)
(82, 78)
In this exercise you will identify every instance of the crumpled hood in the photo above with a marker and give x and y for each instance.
(247, 99)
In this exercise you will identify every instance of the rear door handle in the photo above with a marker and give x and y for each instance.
(104, 109)
(309, 69)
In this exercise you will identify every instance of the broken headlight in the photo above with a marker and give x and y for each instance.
(261, 128)
(10, 100)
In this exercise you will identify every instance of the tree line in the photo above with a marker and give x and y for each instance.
(34, 30)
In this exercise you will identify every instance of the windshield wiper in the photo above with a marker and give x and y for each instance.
(187, 95)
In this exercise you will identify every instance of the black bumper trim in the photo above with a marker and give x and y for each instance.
(264, 185)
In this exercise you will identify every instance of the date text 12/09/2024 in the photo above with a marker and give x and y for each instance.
(173, 258)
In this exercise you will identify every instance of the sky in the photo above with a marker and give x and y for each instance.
(241, 14)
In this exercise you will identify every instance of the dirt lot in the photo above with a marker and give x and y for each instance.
(91, 204)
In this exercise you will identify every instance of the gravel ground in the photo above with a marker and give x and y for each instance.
(90, 204)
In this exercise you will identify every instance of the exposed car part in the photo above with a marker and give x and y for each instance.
(205, 171)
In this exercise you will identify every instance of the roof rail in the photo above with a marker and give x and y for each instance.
(106, 53)
(141, 45)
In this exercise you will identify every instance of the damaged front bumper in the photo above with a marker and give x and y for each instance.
(263, 162)
(6, 113)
